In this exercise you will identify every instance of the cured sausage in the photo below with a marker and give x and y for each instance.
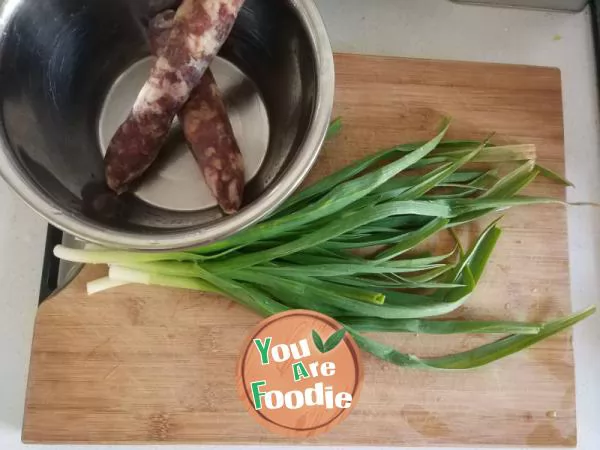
(200, 27)
(159, 30)
(207, 129)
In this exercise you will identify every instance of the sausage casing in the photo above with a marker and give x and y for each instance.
(200, 27)
(207, 129)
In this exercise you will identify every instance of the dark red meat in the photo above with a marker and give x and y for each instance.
(207, 129)
(200, 27)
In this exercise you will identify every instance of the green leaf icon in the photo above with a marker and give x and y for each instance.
(333, 341)
(318, 341)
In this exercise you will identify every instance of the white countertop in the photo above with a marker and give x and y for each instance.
(412, 28)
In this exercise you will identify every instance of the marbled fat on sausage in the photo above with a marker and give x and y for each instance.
(159, 31)
(207, 129)
(200, 28)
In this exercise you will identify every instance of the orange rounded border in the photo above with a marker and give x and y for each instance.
(266, 422)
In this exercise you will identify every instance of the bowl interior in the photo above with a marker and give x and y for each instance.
(60, 62)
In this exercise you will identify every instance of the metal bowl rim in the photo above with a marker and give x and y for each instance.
(294, 175)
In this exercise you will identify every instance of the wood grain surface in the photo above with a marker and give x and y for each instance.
(146, 365)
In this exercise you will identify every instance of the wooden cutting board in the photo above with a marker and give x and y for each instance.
(147, 365)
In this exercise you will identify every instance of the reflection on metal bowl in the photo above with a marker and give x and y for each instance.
(69, 70)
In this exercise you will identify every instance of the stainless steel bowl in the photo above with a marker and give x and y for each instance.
(68, 71)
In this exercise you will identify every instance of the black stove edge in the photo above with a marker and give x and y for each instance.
(51, 264)
(595, 7)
